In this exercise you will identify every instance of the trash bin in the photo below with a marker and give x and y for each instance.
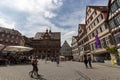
(112, 61)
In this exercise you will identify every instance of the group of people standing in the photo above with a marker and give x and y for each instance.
(53, 59)
(87, 60)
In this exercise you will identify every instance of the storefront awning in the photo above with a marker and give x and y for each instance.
(99, 51)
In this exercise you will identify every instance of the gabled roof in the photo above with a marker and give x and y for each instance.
(75, 37)
(99, 8)
(83, 26)
(54, 35)
(65, 44)
(10, 31)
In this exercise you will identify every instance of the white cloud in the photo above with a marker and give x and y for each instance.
(6, 22)
(49, 15)
(43, 7)
(68, 36)
(72, 20)
(39, 11)
(82, 21)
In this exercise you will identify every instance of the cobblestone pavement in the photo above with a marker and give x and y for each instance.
(66, 71)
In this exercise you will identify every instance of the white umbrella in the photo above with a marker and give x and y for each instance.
(62, 56)
(1, 46)
(17, 48)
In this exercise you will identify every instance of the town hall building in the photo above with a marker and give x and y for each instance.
(46, 44)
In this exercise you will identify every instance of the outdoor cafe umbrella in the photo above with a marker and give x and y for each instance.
(1, 46)
(17, 48)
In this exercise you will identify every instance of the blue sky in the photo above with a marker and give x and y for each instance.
(31, 16)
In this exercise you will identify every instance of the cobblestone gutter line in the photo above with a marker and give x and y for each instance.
(83, 76)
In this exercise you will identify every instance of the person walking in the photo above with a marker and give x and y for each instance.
(85, 61)
(35, 67)
(57, 60)
(89, 60)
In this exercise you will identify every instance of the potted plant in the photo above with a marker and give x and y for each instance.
(113, 50)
